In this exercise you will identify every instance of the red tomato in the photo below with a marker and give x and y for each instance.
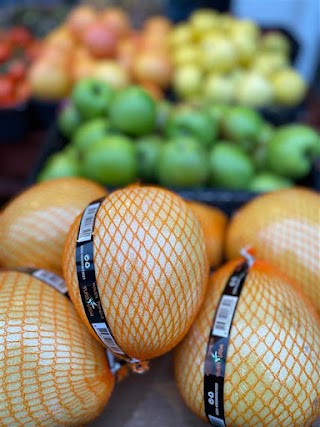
(6, 90)
(20, 36)
(5, 51)
(17, 70)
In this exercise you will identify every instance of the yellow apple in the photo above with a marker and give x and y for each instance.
(246, 47)
(187, 81)
(226, 21)
(275, 41)
(188, 54)
(267, 63)
(218, 53)
(180, 35)
(254, 90)
(49, 81)
(289, 87)
(203, 20)
(245, 28)
(218, 88)
(111, 72)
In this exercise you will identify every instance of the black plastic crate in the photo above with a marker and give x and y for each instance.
(14, 122)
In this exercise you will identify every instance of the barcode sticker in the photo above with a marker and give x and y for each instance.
(51, 279)
(224, 316)
(104, 334)
(217, 422)
(87, 222)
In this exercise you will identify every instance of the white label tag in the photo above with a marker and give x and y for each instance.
(104, 334)
(224, 316)
(87, 222)
(51, 279)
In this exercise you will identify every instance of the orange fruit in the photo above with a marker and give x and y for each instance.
(157, 24)
(35, 223)
(79, 19)
(284, 228)
(214, 225)
(52, 371)
(272, 372)
(150, 266)
(116, 19)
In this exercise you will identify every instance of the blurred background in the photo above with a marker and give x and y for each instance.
(31, 97)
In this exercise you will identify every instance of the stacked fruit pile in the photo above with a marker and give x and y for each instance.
(211, 56)
(223, 59)
(17, 49)
(136, 264)
(117, 137)
(103, 44)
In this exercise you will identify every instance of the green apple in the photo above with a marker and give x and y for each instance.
(292, 150)
(62, 164)
(89, 133)
(217, 110)
(242, 125)
(164, 108)
(186, 120)
(69, 119)
(133, 111)
(230, 166)
(182, 163)
(267, 181)
(259, 153)
(111, 161)
(148, 152)
(265, 133)
(92, 97)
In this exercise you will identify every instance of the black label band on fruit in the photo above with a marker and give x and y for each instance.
(87, 281)
(216, 355)
(47, 277)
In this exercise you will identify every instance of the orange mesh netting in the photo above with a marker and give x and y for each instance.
(33, 226)
(150, 267)
(272, 376)
(52, 372)
(284, 228)
(214, 225)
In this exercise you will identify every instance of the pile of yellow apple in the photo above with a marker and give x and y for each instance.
(219, 58)
(102, 43)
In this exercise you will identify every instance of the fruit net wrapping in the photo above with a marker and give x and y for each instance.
(272, 367)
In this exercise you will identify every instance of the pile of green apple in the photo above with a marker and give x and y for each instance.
(117, 137)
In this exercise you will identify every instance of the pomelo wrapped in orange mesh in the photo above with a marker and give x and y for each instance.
(272, 376)
(214, 225)
(52, 372)
(284, 228)
(150, 265)
(33, 225)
